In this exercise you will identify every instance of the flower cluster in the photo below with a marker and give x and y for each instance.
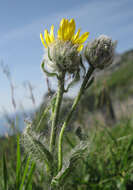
(66, 33)
(63, 51)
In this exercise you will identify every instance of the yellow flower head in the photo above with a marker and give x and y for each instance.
(66, 33)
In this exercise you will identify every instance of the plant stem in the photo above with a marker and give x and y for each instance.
(56, 111)
(75, 103)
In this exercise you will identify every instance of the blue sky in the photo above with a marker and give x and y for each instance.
(22, 21)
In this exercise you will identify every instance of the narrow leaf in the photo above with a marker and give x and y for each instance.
(18, 163)
(25, 173)
(29, 178)
(5, 172)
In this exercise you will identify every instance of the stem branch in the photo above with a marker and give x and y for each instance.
(56, 111)
(75, 103)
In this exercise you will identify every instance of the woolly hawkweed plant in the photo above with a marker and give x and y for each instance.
(62, 60)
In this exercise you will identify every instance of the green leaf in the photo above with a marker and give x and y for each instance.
(29, 178)
(76, 154)
(48, 73)
(37, 150)
(5, 172)
(18, 163)
(24, 174)
(53, 102)
(124, 161)
(121, 184)
(43, 116)
(49, 56)
(48, 158)
(111, 136)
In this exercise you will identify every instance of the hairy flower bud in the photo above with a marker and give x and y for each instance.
(100, 52)
(63, 50)
(63, 57)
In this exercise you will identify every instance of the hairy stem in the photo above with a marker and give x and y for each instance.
(56, 111)
(75, 103)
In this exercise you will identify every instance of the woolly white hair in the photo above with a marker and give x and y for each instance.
(64, 55)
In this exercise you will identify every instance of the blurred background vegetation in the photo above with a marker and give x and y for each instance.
(103, 118)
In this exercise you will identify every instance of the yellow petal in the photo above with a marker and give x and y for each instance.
(82, 38)
(65, 30)
(71, 28)
(42, 40)
(62, 22)
(60, 31)
(47, 38)
(52, 34)
(76, 36)
(68, 30)
(80, 47)
(59, 34)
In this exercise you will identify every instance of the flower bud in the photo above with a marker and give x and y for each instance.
(63, 57)
(100, 52)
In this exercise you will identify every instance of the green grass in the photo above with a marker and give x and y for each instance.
(107, 164)
(20, 176)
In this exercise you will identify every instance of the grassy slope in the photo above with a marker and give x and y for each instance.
(122, 78)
